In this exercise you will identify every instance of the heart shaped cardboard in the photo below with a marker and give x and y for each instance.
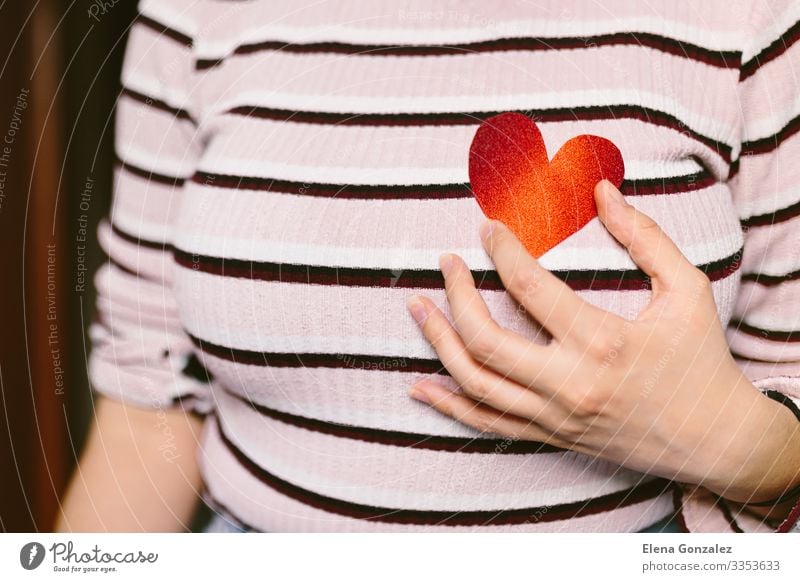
(542, 201)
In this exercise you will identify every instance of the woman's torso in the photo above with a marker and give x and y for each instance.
(330, 182)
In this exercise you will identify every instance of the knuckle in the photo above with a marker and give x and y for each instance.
(481, 347)
(501, 236)
(571, 430)
(478, 388)
(588, 402)
(605, 343)
(646, 224)
(525, 282)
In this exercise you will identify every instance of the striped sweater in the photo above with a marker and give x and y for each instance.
(290, 171)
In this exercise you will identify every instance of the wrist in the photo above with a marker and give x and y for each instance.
(762, 463)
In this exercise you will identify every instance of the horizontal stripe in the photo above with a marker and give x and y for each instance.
(150, 175)
(578, 280)
(636, 187)
(641, 187)
(549, 115)
(489, 280)
(344, 191)
(712, 25)
(164, 30)
(140, 242)
(151, 265)
(642, 492)
(768, 144)
(722, 59)
(422, 154)
(404, 439)
(372, 473)
(157, 104)
(269, 510)
(117, 265)
(767, 334)
(771, 218)
(779, 46)
(317, 360)
(771, 280)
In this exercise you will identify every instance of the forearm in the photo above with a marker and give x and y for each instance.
(138, 472)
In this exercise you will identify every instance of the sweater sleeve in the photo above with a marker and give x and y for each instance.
(764, 331)
(140, 353)
(764, 334)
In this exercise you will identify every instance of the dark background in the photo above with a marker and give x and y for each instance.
(70, 64)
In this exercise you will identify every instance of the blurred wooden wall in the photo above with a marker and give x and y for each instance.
(32, 437)
(59, 73)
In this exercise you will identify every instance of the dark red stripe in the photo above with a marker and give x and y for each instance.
(637, 494)
(596, 280)
(316, 360)
(405, 439)
(779, 46)
(140, 242)
(124, 269)
(773, 142)
(726, 512)
(721, 59)
(157, 104)
(771, 218)
(743, 358)
(789, 522)
(784, 399)
(669, 185)
(771, 280)
(583, 113)
(642, 187)
(767, 334)
(607, 280)
(343, 191)
(165, 30)
(150, 175)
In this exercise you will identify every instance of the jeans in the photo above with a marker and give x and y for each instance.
(665, 525)
(218, 524)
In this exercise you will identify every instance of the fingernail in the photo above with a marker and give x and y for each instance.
(446, 263)
(417, 309)
(418, 394)
(486, 230)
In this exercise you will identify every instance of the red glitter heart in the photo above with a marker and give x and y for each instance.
(542, 202)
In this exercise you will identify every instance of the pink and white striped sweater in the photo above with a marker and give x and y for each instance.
(290, 172)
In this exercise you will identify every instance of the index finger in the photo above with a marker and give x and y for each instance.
(546, 297)
(506, 352)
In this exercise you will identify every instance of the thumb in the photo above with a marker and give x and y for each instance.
(649, 246)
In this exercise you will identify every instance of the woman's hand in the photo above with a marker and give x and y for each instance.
(661, 394)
